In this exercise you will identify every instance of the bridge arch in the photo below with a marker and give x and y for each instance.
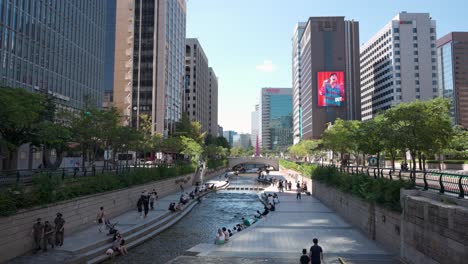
(254, 160)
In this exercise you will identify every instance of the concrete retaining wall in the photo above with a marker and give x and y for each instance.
(78, 213)
(377, 223)
(434, 228)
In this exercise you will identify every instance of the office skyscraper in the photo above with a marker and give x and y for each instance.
(276, 115)
(255, 125)
(452, 61)
(149, 61)
(197, 85)
(398, 64)
(296, 81)
(213, 107)
(55, 48)
(329, 73)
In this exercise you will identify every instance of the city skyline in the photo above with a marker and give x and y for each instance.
(261, 54)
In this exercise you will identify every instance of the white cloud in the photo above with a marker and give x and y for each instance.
(266, 66)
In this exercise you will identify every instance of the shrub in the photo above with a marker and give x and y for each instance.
(47, 189)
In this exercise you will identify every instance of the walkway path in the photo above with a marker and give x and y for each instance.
(87, 238)
(285, 232)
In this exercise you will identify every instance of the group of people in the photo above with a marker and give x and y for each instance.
(146, 202)
(223, 234)
(185, 197)
(315, 255)
(301, 188)
(43, 234)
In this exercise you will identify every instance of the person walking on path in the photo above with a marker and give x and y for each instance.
(101, 218)
(181, 188)
(140, 206)
(304, 258)
(37, 233)
(316, 253)
(145, 197)
(48, 231)
(59, 229)
(298, 193)
(153, 197)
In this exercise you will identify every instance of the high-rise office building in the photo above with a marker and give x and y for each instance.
(213, 106)
(398, 64)
(55, 48)
(452, 61)
(149, 61)
(255, 126)
(329, 73)
(296, 81)
(197, 84)
(241, 141)
(229, 136)
(108, 79)
(276, 115)
(220, 131)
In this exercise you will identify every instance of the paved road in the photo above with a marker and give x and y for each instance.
(285, 232)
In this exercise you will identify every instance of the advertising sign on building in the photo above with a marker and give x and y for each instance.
(331, 91)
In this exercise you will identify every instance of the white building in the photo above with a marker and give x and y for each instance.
(255, 126)
(398, 64)
(296, 81)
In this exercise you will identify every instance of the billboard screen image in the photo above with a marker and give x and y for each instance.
(330, 88)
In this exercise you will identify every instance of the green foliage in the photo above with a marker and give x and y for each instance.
(340, 137)
(304, 148)
(219, 163)
(384, 192)
(191, 148)
(448, 161)
(46, 190)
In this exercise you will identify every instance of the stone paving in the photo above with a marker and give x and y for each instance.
(90, 235)
(285, 232)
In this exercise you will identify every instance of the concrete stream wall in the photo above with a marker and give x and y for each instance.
(431, 229)
(79, 213)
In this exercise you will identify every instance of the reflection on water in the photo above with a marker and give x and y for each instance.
(199, 226)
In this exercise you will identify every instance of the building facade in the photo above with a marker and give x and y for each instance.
(276, 118)
(296, 81)
(220, 131)
(149, 61)
(255, 126)
(229, 136)
(398, 64)
(452, 65)
(108, 79)
(242, 141)
(197, 84)
(55, 48)
(213, 106)
(329, 73)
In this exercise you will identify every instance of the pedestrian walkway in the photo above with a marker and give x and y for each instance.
(128, 223)
(285, 232)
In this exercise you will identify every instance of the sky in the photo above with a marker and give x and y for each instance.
(248, 42)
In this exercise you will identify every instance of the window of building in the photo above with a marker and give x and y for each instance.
(396, 30)
(415, 30)
(397, 52)
(416, 60)
(415, 52)
(396, 38)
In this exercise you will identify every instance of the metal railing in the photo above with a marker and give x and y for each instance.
(25, 177)
(442, 182)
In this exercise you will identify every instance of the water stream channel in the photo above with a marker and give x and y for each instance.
(220, 209)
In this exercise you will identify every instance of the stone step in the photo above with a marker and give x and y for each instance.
(100, 256)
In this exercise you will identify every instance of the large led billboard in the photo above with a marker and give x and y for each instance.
(330, 86)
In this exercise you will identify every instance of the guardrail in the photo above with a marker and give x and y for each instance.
(25, 177)
(428, 180)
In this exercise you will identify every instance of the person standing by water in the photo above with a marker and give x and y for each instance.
(59, 229)
(101, 218)
(48, 231)
(298, 192)
(37, 233)
(304, 258)
(140, 205)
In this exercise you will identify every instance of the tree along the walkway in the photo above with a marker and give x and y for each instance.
(339, 137)
(424, 127)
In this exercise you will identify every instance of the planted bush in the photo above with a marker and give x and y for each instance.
(46, 189)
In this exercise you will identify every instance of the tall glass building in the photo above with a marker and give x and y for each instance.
(54, 47)
(452, 66)
(276, 116)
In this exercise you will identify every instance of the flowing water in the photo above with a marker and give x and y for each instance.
(221, 209)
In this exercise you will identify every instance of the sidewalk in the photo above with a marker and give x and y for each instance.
(77, 243)
(285, 232)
